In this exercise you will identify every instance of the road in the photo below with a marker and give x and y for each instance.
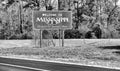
(11, 68)
(50, 66)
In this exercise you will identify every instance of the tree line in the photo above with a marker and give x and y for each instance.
(16, 17)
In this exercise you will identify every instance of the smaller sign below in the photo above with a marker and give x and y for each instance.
(52, 20)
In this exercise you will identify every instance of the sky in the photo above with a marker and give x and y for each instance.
(118, 3)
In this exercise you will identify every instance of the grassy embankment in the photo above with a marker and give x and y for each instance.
(87, 54)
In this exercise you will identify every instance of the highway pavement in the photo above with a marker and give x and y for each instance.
(44, 66)
(13, 68)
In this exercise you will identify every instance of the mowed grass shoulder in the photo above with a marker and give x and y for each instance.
(86, 54)
(64, 52)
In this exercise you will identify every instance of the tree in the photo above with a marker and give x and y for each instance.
(86, 13)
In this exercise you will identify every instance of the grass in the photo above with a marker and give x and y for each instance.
(86, 54)
(64, 52)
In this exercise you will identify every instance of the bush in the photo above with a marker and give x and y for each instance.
(72, 34)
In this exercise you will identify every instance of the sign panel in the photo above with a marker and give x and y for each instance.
(52, 20)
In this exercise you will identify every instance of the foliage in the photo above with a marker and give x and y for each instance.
(16, 16)
(72, 34)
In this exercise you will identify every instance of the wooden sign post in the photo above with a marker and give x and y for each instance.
(62, 38)
(46, 20)
(40, 38)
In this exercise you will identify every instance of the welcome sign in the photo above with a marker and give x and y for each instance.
(52, 20)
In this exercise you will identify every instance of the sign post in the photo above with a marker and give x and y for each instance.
(40, 38)
(62, 38)
(55, 20)
(59, 37)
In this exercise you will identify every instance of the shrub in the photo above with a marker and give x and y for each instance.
(72, 34)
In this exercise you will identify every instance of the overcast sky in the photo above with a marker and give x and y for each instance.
(118, 3)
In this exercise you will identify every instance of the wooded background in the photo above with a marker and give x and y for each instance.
(16, 17)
